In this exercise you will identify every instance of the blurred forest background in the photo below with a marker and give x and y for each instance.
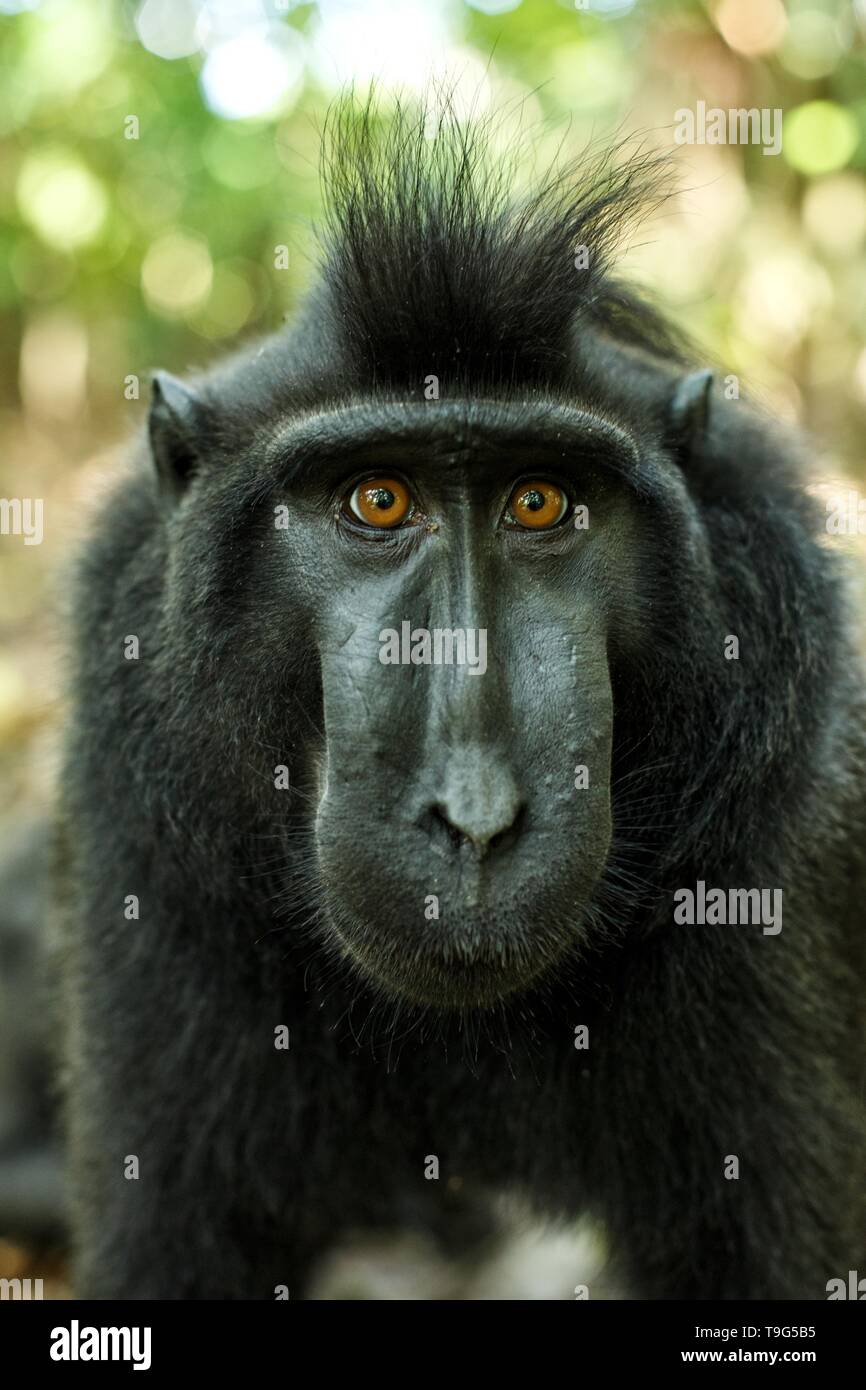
(154, 154)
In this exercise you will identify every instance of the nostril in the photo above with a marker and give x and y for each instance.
(505, 837)
(483, 837)
(440, 826)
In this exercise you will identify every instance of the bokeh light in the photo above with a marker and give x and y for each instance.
(61, 198)
(819, 136)
(395, 42)
(177, 274)
(834, 213)
(53, 366)
(70, 45)
(751, 27)
(594, 75)
(255, 73)
(813, 45)
(229, 303)
(778, 297)
(170, 28)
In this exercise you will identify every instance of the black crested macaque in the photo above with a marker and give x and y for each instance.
(433, 657)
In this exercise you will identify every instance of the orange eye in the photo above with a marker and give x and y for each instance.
(381, 502)
(537, 505)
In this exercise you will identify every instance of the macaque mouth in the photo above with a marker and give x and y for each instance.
(462, 972)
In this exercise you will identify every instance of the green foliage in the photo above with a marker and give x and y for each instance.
(164, 247)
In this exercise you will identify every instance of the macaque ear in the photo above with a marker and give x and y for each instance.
(174, 425)
(689, 411)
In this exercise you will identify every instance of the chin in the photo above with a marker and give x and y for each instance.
(477, 962)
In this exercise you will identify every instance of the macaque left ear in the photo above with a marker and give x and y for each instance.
(689, 412)
(174, 425)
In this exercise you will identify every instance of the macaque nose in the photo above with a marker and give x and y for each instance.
(479, 808)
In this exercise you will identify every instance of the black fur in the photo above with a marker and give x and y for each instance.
(704, 1041)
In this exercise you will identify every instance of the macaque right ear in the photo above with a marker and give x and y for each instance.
(688, 413)
(174, 426)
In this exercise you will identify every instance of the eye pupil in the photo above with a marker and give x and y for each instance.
(537, 505)
(382, 497)
(533, 500)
